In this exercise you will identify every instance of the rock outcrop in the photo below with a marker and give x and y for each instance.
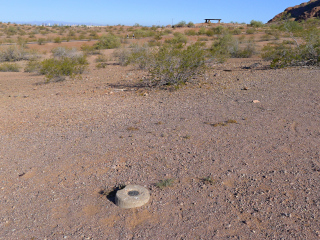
(300, 12)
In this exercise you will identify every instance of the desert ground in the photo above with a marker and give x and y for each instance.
(240, 146)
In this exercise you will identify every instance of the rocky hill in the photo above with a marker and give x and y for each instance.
(300, 12)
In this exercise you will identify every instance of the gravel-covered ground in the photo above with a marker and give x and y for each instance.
(240, 169)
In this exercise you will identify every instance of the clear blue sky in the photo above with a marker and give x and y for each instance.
(129, 12)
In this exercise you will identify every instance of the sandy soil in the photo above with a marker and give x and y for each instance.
(64, 146)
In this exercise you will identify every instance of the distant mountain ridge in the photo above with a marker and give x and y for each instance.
(53, 22)
(300, 12)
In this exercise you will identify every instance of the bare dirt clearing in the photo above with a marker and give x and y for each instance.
(64, 145)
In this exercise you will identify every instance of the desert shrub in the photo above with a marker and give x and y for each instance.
(32, 66)
(265, 37)
(190, 32)
(236, 31)
(181, 24)
(256, 24)
(222, 48)
(250, 31)
(246, 52)
(210, 32)
(9, 67)
(219, 30)
(293, 53)
(101, 58)
(142, 33)
(169, 65)
(62, 52)
(227, 46)
(202, 31)
(90, 50)
(58, 69)
(289, 42)
(154, 43)
(178, 38)
(203, 39)
(57, 40)
(13, 53)
(41, 41)
(139, 55)
(108, 42)
(190, 24)
(167, 32)
(122, 54)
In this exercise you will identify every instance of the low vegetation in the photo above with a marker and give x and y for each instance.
(169, 55)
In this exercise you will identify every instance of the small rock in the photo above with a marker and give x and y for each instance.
(255, 101)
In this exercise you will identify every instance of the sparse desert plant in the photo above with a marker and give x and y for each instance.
(108, 41)
(13, 53)
(256, 24)
(32, 66)
(222, 48)
(57, 40)
(190, 32)
(219, 30)
(9, 67)
(237, 31)
(297, 54)
(41, 41)
(139, 55)
(63, 52)
(178, 38)
(190, 24)
(202, 31)
(65, 63)
(172, 66)
(101, 58)
(250, 31)
(181, 24)
(208, 180)
(165, 183)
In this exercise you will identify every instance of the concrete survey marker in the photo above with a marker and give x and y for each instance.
(132, 196)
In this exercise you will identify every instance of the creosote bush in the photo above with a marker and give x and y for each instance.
(12, 54)
(65, 63)
(108, 42)
(295, 53)
(9, 67)
(174, 66)
(167, 64)
(227, 46)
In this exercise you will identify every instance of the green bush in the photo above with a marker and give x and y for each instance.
(57, 40)
(256, 24)
(294, 54)
(190, 32)
(32, 66)
(237, 31)
(142, 33)
(108, 42)
(66, 63)
(139, 55)
(220, 30)
(9, 67)
(250, 31)
(190, 24)
(202, 31)
(227, 46)
(171, 66)
(179, 38)
(222, 48)
(181, 24)
(41, 41)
